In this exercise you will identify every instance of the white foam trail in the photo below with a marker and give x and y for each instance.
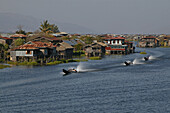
(137, 61)
(122, 64)
(152, 58)
(79, 67)
(83, 68)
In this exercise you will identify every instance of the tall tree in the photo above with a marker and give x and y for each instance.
(45, 27)
(20, 30)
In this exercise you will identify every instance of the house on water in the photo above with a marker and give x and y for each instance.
(34, 50)
(117, 45)
(5, 40)
(64, 50)
(95, 49)
(149, 41)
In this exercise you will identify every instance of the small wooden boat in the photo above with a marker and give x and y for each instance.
(69, 71)
(127, 63)
(146, 58)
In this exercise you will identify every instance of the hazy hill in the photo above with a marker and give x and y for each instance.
(10, 21)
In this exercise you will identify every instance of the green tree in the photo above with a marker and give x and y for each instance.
(88, 40)
(6, 47)
(99, 39)
(20, 30)
(54, 28)
(78, 47)
(66, 38)
(19, 42)
(45, 27)
(3, 52)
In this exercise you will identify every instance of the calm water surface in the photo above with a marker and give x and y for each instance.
(103, 86)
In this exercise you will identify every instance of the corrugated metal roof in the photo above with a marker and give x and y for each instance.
(69, 42)
(74, 42)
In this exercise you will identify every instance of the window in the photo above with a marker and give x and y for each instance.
(28, 52)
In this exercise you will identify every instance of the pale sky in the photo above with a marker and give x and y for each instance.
(104, 16)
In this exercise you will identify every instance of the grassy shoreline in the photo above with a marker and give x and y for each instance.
(4, 66)
(95, 58)
(47, 64)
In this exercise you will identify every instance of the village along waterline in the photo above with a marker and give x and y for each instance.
(105, 85)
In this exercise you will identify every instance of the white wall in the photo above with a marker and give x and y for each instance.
(23, 53)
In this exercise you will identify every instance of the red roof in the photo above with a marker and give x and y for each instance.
(18, 35)
(116, 49)
(42, 44)
(6, 38)
(149, 37)
(26, 46)
(128, 42)
(36, 45)
(119, 37)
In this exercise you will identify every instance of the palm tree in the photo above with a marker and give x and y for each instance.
(54, 28)
(45, 26)
(48, 28)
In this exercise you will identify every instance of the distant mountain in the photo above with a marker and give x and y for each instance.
(10, 21)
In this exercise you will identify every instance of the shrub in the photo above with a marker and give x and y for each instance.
(24, 63)
(3, 66)
(54, 63)
(143, 53)
(1, 60)
(95, 58)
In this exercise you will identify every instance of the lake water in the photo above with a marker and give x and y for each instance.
(101, 86)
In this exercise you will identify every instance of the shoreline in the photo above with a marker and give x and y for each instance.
(2, 66)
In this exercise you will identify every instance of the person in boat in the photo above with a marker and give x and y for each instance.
(127, 63)
(146, 58)
(69, 71)
(72, 70)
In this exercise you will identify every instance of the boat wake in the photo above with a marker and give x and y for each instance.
(98, 66)
(82, 67)
(152, 58)
(137, 61)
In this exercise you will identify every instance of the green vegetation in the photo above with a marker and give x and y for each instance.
(1, 60)
(3, 52)
(20, 31)
(19, 42)
(87, 39)
(165, 46)
(47, 28)
(24, 63)
(78, 47)
(95, 58)
(3, 66)
(54, 63)
(66, 61)
(78, 54)
(143, 53)
(82, 55)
